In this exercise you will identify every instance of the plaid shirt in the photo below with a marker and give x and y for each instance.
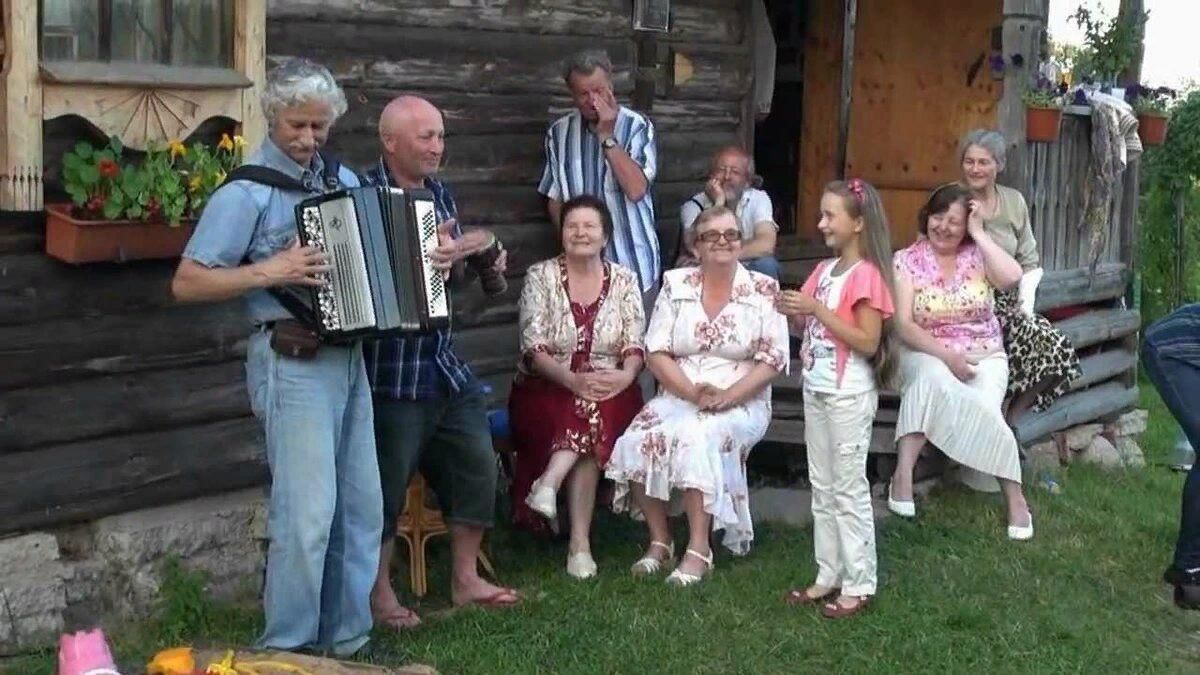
(411, 367)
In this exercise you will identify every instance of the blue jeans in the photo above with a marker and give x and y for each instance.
(766, 264)
(326, 507)
(1171, 354)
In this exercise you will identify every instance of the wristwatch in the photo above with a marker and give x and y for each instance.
(608, 143)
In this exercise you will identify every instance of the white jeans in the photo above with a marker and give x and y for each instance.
(837, 431)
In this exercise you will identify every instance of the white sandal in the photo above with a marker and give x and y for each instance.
(543, 499)
(681, 579)
(650, 565)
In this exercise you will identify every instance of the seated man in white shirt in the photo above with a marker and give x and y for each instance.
(729, 185)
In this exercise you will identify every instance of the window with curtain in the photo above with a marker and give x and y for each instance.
(164, 32)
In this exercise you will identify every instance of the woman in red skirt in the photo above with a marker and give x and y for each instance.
(582, 323)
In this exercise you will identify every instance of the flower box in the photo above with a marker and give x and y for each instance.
(1152, 128)
(1042, 124)
(85, 241)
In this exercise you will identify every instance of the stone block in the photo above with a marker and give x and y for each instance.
(1102, 452)
(32, 592)
(1043, 456)
(1131, 453)
(1131, 423)
(789, 506)
(1080, 437)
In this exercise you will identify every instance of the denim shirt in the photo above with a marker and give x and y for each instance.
(247, 221)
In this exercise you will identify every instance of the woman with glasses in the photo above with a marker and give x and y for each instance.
(714, 343)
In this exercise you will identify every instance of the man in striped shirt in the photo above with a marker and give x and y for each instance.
(430, 411)
(606, 150)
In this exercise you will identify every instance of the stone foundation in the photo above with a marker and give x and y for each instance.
(1112, 445)
(111, 569)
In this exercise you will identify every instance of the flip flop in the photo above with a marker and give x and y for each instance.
(495, 601)
(400, 620)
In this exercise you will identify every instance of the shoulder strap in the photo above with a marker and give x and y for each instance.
(278, 179)
(265, 176)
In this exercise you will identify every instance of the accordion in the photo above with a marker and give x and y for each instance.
(381, 281)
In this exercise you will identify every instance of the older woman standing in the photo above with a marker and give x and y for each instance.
(715, 342)
(582, 321)
(1041, 360)
(954, 373)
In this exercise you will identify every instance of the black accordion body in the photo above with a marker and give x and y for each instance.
(381, 281)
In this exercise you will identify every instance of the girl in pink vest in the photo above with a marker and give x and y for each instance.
(841, 313)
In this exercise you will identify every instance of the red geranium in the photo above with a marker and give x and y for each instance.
(108, 168)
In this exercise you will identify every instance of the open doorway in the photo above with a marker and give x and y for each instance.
(777, 136)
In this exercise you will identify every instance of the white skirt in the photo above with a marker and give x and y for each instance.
(963, 419)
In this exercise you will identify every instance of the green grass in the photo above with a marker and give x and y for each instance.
(955, 596)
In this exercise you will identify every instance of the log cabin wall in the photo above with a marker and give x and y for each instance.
(112, 398)
(494, 68)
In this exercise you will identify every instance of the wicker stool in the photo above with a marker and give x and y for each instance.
(417, 525)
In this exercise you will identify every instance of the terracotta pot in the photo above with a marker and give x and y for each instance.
(1152, 129)
(1041, 124)
(83, 241)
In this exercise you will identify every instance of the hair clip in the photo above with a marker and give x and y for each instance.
(856, 187)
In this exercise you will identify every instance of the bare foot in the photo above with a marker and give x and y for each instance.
(388, 612)
(480, 592)
(808, 596)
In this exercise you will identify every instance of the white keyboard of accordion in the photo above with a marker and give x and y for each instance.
(436, 299)
(351, 288)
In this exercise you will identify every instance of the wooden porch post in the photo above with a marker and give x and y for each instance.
(850, 20)
(250, 59)
(21, 116)
(1022, 30)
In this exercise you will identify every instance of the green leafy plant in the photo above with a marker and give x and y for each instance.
(1150, 100)
(1109, 44)
(168, 185)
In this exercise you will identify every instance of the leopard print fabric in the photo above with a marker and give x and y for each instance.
(1036, 351)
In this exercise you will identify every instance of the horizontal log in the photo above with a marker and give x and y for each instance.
(121, 404)
(425, 59)
(430, 59)
(34, 287)
(21, 232)
(83, 481)
(64, 349)
(489, 342)
(1100, 326)
(719, 22)
(518, 160)
(791, 432)
(487, 113)
(1066, 288)
(1076, 408)
(1103, 366)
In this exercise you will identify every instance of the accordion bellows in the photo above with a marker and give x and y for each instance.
(381, 280)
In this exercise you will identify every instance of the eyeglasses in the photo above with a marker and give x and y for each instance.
(712, 236)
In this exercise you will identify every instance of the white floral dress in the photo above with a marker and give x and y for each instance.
(671, 444)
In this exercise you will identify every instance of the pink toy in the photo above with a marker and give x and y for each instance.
(85, 653)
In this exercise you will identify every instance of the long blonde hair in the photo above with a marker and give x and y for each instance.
(861, 201)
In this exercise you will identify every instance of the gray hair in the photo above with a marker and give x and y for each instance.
(298, 81)
(988, 139)
(585, 63)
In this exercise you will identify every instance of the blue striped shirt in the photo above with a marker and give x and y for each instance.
(575, 165)
(410, 367)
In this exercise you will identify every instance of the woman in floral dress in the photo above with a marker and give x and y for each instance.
(714, 343)
(575, 392)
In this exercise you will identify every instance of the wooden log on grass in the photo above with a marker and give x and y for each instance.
(1076, 408)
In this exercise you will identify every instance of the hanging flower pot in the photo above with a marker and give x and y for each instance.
(85, 241)
(1152, 128)
(1042, 124)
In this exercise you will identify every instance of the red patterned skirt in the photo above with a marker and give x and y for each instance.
(545, 418)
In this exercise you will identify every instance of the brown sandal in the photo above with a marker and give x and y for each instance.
(799, 597)
(833, 610)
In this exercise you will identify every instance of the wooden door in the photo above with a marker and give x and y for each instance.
(920, 81)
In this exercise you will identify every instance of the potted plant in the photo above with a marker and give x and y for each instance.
(121, 210)
(1151, 106)
(1043, 112)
